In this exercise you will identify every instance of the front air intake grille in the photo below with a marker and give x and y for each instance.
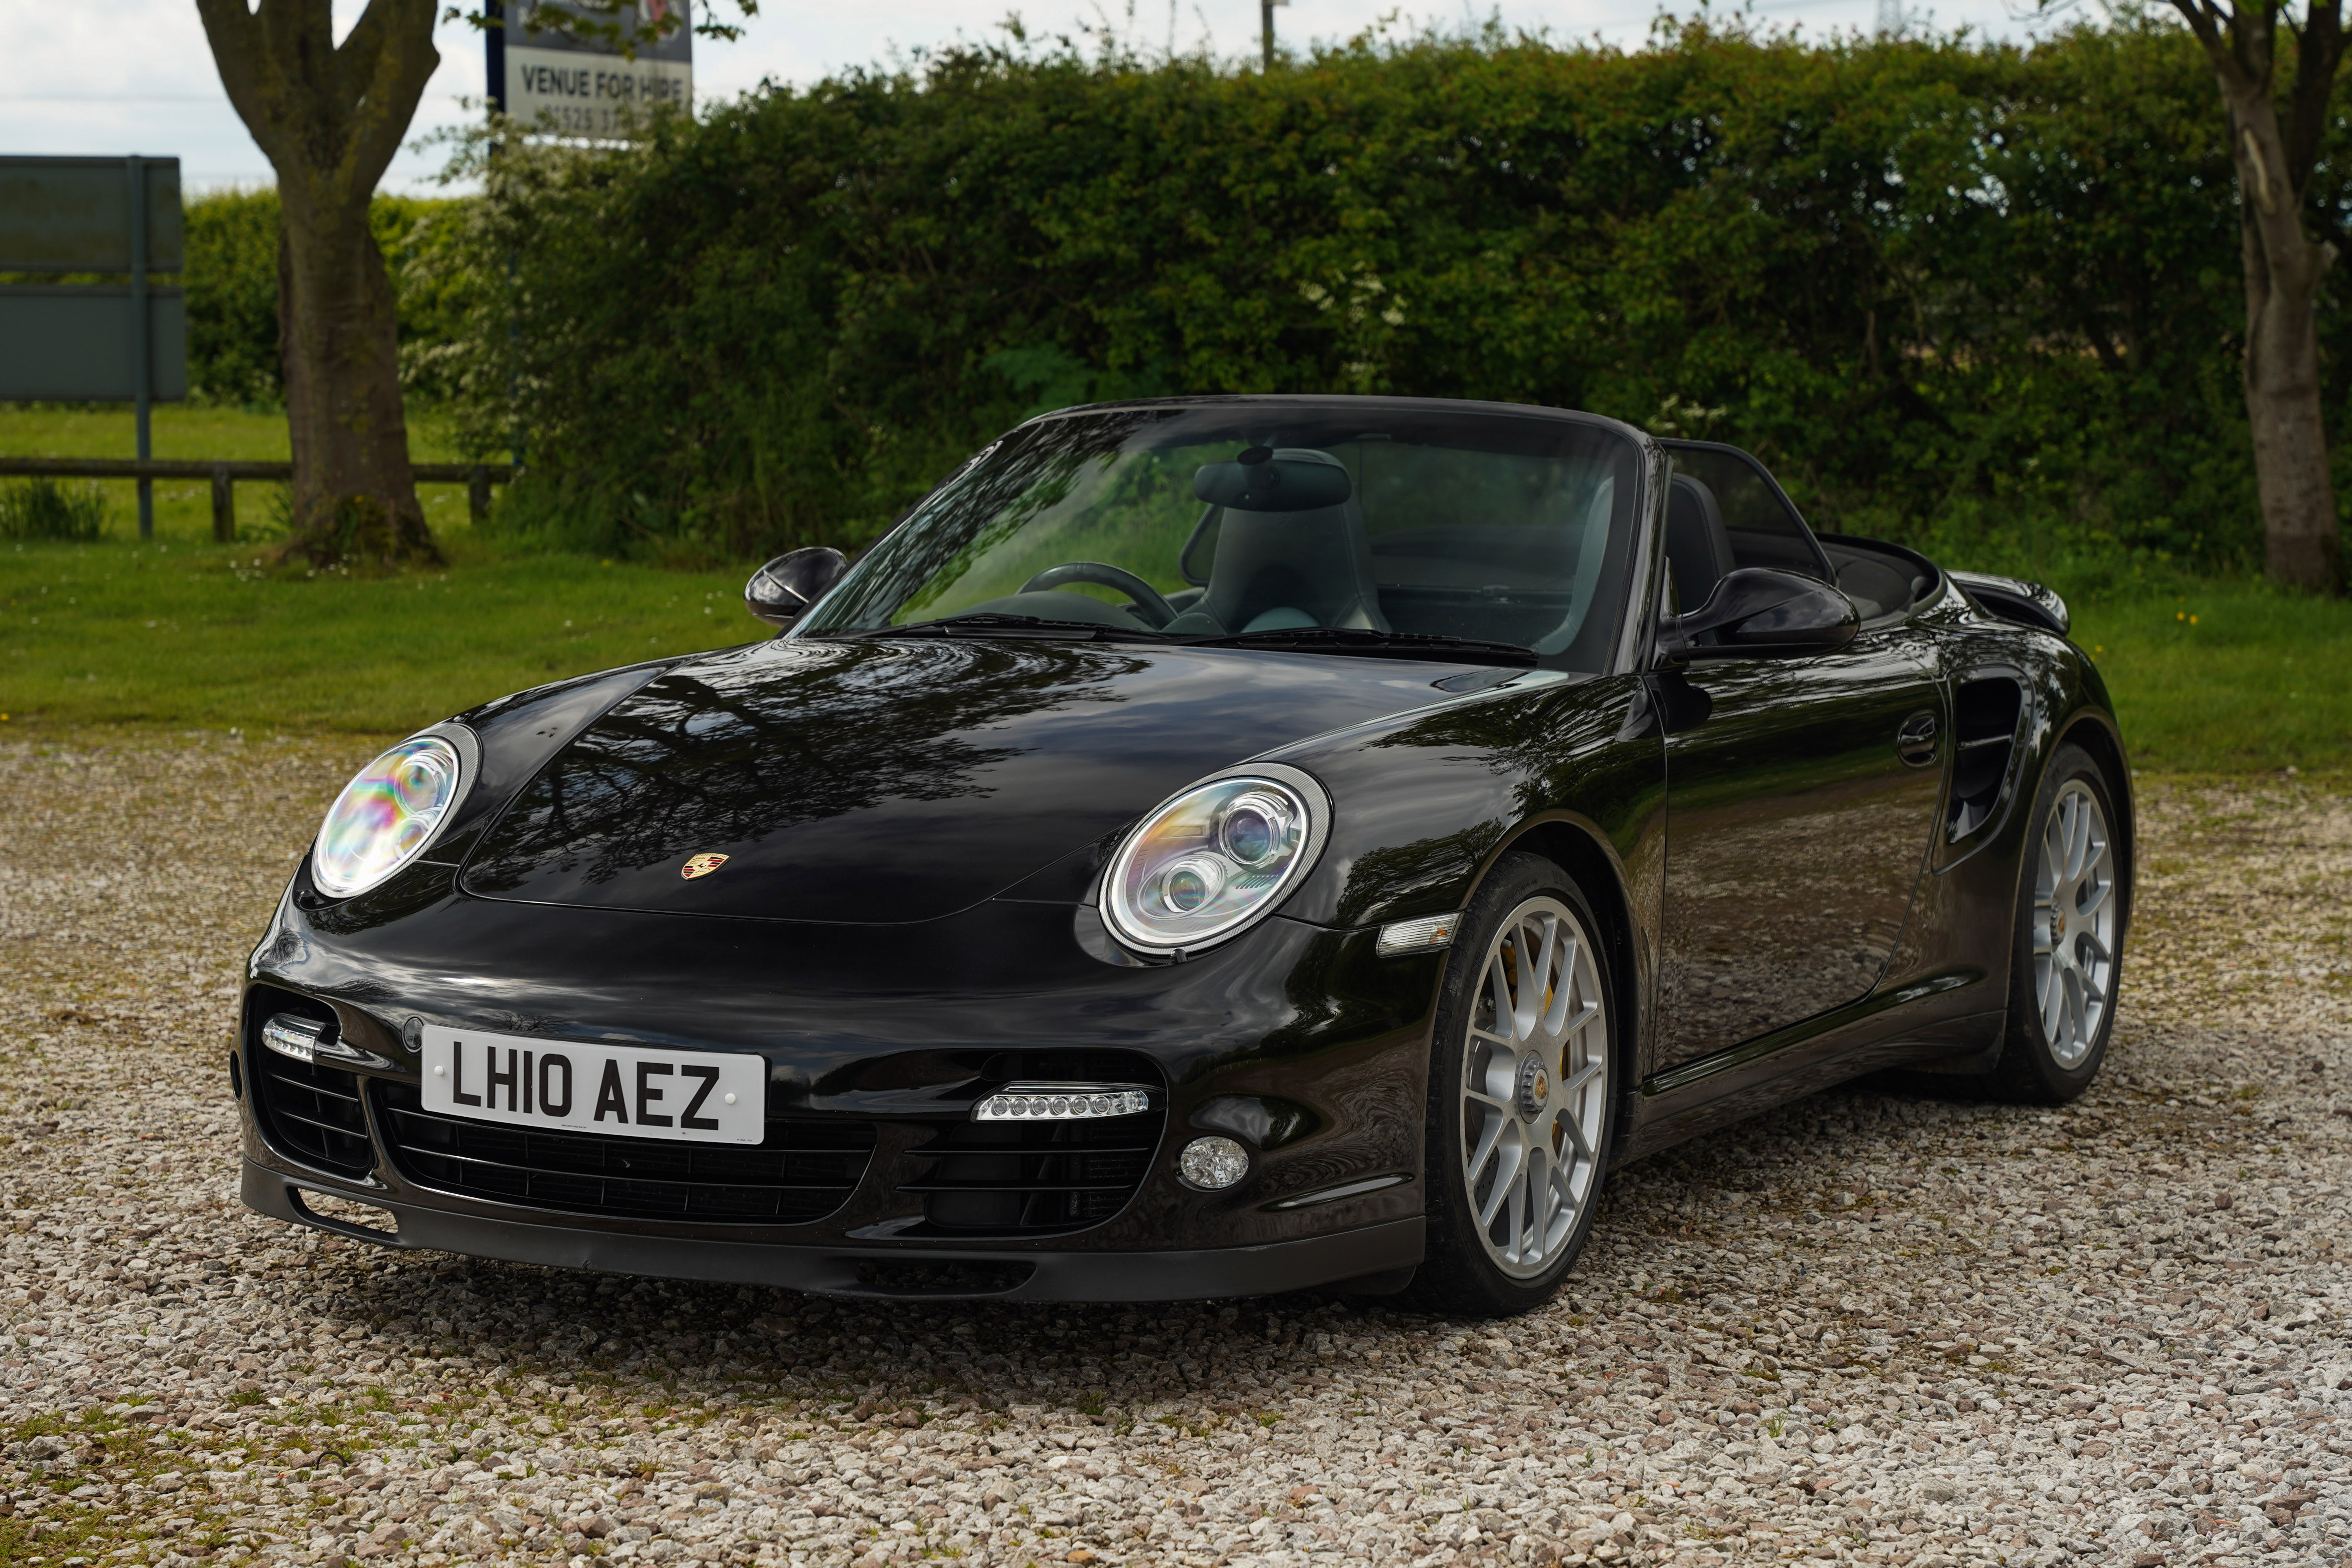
(312, 1112)
(1036, 1176)
(802, 1171)
(1012, 1178)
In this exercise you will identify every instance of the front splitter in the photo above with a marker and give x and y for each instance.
(1391, 1250)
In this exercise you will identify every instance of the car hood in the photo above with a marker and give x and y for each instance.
(888, 781)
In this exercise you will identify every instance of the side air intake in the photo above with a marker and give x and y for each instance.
(1988, 715)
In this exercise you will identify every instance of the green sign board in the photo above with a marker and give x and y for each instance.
(104, 341)
(73, 214)
(65, 344)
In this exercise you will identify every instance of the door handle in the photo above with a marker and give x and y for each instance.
(1916, 741)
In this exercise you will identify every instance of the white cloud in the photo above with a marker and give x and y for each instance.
(136, 76)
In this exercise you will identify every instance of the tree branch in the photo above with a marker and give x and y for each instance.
(2216, 30)
(384, 63)
(330, 119)
(2316, 61)
(255, 90)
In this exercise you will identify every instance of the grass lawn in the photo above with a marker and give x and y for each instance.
(186, 633)
(191, 635)
(184, 507)
(2258, 680)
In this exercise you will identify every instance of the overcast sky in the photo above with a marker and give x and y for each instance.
(135, 75)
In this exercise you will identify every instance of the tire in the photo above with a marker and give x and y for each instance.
(2073, 898)
(1520, 1114)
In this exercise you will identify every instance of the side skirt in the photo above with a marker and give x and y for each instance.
(1937, 1022)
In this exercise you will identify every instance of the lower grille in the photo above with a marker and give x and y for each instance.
(1030, 1179)
(803, 1171)
(312, 1112)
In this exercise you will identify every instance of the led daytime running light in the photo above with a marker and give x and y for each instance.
(289, 1035)
(1062, 1102)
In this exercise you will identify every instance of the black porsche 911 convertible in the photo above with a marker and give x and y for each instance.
(1211, 846)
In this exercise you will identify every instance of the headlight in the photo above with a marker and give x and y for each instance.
(385, 816)
(1216, 858)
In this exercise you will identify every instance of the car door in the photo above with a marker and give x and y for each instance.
(1801, 792)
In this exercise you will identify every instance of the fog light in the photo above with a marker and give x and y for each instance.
(1062, 1102)
(1212, 1162)
(289, 1034)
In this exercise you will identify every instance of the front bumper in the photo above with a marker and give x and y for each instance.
(1299, 1041)
(1379, 1257)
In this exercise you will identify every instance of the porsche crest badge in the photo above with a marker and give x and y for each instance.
(702, 865)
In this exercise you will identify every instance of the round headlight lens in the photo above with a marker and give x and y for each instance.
(1208, 863)
(384, 815)
(1256, 828)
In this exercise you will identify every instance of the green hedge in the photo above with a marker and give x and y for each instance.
(1981, 298)
(232, 285)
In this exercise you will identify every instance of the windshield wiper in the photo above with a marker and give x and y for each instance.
(1375, 644)
(1000, 623)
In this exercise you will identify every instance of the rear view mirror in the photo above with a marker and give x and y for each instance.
(1762, 612)
(1261, 482)
(781, 590)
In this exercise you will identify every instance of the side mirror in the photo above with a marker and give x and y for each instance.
(1762, 612)
(780, 590)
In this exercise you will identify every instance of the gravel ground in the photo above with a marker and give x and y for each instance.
(1876, 1327)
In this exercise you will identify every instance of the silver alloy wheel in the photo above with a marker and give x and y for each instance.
(1534, 1087)
(2073, 924)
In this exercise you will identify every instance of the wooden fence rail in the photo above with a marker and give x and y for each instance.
(477, 478)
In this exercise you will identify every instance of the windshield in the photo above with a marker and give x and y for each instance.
(1237, 520)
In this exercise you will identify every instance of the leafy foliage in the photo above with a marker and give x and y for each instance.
(1982, 298)
(231, 285)
(41, 508)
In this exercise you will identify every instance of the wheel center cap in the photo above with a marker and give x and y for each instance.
(2058, 920)
(1535, 1088)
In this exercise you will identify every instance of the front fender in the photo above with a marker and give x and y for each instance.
(1421, 804)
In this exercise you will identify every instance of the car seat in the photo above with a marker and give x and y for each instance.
(1698, 547)
(1277, 570)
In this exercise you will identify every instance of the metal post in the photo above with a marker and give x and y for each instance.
(494, 59)
(478, 495)
(494, 53)
(1266, 16)
(224, 506)
(142, 369)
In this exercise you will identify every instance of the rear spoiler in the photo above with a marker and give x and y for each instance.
(2015, 598)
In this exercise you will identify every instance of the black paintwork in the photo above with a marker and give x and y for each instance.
(901, 779)
(1800, 879)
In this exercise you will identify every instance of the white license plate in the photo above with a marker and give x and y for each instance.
(632, 1091)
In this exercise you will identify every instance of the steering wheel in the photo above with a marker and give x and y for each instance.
(1156, 609)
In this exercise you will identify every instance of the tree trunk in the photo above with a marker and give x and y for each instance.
(355, 497)
(331, 116)
(2284, 269)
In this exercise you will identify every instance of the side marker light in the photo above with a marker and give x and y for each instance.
(1427, 935)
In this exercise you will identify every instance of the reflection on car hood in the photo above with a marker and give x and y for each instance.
(886, 781)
